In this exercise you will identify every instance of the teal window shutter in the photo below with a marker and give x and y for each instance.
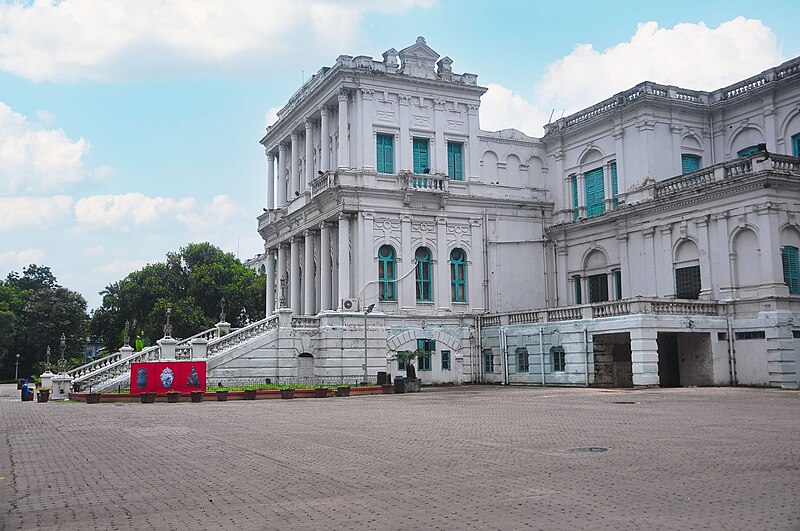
(747, 151)
(421, 159)
(424, 275)
(690, 163)
(458, 275)
(386, 273)
(614, 187)
(577, 280)
(574, 179)
(595, 193)
(618, 284)
(385, 156)
(455, 161)
(796, 145)
(791, 274)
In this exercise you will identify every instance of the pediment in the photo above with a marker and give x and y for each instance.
(418, 60)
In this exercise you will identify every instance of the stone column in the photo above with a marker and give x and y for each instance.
(344, 257)
(270, 180)
(566, 295)
(309, 124)
(665, 285)
(308, 274)
(624, 266)
(325, 266)
(475, 273)
(406, 290)
(405, 152)
(325, 141)
(644, 356)
(281, 174)
(581, 195)
(442, 293)
(608, 189)
(334, 268)
(769, 241)
(282, 297)
(721, 257)
(620, 158)
(706, 279)
(344, 142)
(649, 260)
(677, 166)
(472, 156)
(769, 126)
(271, 282)
(294, 275)
(368, 270)
(439, 162)
(294, 178)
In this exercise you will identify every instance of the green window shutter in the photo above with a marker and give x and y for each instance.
(796, 145)
(455, 164)
(421, 160)
(614, 187)
(618, 284)
(747, 151)
(595, 193)
(578, 297)
(791, 273)
(574, 179)
(690, 163)
(385, 155)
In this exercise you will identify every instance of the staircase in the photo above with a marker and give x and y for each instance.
(114, 370)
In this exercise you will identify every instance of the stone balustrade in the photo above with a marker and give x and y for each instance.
(433, 182)
(241, 335)
(300, 321)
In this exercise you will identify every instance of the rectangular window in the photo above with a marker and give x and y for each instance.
(574, 183)
(598, 288)
(687, 282)
(421, 157)
(559, 359)
(614, 185)
(578, 298)
(750, 334)
(796, 145)
(690, 163)
(747, 151)
(722, 336)
(455, 161)
(488, 361)
(791, 274)
(428, 347)
(522, 360)
(595, 192)
(445, 360)
(385, 146)
(796, 334)
(618, 284)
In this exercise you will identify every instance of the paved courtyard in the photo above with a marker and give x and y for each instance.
(458, 458)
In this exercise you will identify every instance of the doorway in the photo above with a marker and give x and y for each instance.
(612, 360)
(305, 367)
(684, 359)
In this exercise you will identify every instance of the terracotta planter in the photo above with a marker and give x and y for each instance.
(197, 396)
(343, 391)
(43, 395)
(287, 393)
(387, 389)
(320, 393)
(173, 397)
(92, 398)
(147, 398)
(222, 396)
(249, 394)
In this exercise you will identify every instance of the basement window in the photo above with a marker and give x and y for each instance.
(750, 334)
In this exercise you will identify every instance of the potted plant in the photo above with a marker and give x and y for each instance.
(92, 398)
(287, 393)
(407, 357)
(43, 395)
(343, 390)
(222, 395)
(387, 389)
(321, 392)
(173, 397)
(249, 394)
(196, 396)
(147, 398)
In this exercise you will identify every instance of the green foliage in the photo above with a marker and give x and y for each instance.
(34, 312)
(192, 282)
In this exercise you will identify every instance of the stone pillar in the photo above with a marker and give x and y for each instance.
(565, 296)
(199, 348)
(271, 281)
(308, 274)
(439, 163)
(608, 189)
(325, 266)
(770, 127)
(472, 156)
(581, 195)
(281, 174)
(475, 272)
(167, 345)
(706, 278)
(769, 241)
(677, 166)
(294, 177)
(406, 290)
(334, 268)
(282, 296)
(344, 142)
(620, 158)
(344, 257)
(405, 155)
(649, 260)
(720, 257)
(309, 124)
(442, 267)
(624, 266)
(367, 115)
(664, 273)
(325, 140)
(294, 275)
(367, 259)
(644, 356)
(270, 181)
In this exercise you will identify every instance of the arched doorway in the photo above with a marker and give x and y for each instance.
(305, 367)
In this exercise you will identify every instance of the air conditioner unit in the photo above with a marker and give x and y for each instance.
(350, 305)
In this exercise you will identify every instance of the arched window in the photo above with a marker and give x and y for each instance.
(386, 274)
(424, 275)
(458, 275)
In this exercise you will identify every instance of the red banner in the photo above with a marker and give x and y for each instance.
(162, 376)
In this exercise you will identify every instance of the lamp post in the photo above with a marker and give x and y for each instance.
(367, 311)
(16, 369)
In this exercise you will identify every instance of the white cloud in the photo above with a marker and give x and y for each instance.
(214, 216)
(32, 212)
(95, 250)
(84, 39)
(13, 260)
(121, 267)
(691, 56)
(126, 209)
(35, 158)
(272, 116)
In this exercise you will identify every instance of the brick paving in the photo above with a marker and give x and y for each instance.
(459, 458)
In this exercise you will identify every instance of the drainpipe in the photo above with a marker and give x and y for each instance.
(503, 359)
(586, 350)
(544, 267)
(477, 371)
(485, 260)
(541, 353)
(731, 349)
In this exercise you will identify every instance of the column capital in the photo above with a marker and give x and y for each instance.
(343, 95)
(325, 225)
(270, 155)
(324, 110)
(310, 233)
(648, 232)
(719, 215)
(294, 136)
(308, 123)
(666, 229)
(701, 221)
(764, 208)
(344, 216)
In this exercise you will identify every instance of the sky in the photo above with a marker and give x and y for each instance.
(129, 129)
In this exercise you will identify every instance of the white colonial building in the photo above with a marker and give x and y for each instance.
(651, 239)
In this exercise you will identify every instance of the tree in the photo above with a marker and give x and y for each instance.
(407, 357)
(192, 283)
(34, 312)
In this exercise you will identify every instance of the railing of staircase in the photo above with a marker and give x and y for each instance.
(219, 344)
